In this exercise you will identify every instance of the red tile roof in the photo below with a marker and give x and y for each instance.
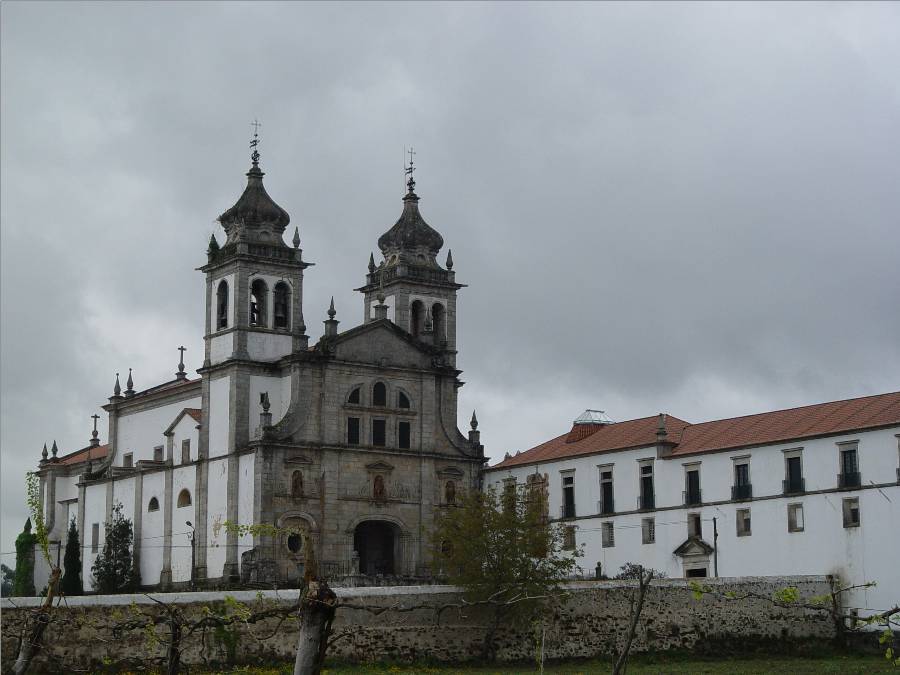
(779, 426)
(618, 436)
(85, 454)
(807, 421)
(196, 413)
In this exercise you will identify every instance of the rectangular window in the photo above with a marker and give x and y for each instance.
(692, 486)
(568, 505)
(795, 518)
(849, 475)
(158, 453)
(509, 494)
(568, 542)
(648, 530)
(696, 573)
(607, 505)
(95, 537)
(851, 512)
(695, 525)
(743, 522)
(352, 431)
(378, 432)
(128, 460)
(646, 499)
(793, 474)
(741, 488)
(186, 451)
(608, 535)
(403, 435)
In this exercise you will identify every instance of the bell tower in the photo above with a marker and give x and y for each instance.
(410, 279)
(254, 281)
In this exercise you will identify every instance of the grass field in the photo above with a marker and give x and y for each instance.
(640, 665)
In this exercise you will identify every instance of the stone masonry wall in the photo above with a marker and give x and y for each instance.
(588, 623)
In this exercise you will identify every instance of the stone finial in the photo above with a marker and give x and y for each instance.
(54, 450)
(44, 453)
(213, 247)
(27, 528)
(449, 264)
(661, 432)
(264, 401)
(429, 322)
(371, 263)
(181, 375)
(129, 384)
(95, 437)
(331, 324)
(474, 421)
(507, 456)
(117, 388)
(296, 241)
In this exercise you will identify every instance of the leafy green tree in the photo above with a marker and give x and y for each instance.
(504, 553)
(7, 577)
(23, 584)
(71, 581)
(113, 570)
(635, 571)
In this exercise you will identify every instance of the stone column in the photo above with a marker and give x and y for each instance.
(165, 575)
(137, 523)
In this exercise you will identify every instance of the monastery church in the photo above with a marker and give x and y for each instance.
(353, 437)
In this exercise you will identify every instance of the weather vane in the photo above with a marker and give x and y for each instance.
(411, 182)
(254, 142)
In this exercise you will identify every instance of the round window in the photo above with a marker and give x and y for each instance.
(295, 543)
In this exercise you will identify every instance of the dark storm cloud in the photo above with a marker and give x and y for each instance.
(689, 208)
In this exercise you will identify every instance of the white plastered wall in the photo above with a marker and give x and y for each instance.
(152, 526)
(245, 500)
(185, 430)
(219, 411)
(183, 478)
(216, 515)
(140, 432)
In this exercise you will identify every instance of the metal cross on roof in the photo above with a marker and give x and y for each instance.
(411, 183)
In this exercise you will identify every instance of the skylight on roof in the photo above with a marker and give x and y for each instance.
(590, 416)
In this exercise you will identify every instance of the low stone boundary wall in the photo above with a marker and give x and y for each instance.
(588, 623)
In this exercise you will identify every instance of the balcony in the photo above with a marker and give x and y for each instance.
(742, 491)
(849, 479)
(567, 511)
(793, 486)
(692, 497)
(605, 507)
(646, 501)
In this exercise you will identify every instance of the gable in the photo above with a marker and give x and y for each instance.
(383, 345)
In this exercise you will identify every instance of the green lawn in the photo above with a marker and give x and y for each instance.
(639, 665)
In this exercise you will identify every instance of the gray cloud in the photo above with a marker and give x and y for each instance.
(689, 208)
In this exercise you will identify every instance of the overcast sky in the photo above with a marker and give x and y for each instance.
(681, 208)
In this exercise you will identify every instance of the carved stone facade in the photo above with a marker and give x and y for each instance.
(353, 439)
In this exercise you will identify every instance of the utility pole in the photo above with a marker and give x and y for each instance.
(715, 548)
(193, 556)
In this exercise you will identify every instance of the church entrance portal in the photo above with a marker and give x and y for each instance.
(376, 541)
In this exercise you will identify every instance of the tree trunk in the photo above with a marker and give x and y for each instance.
(316, 614)
(31, 642)
(174, 655)
(643, 583)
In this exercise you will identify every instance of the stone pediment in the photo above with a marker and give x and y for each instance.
(383, 343)
(450, 472)
(379, 466)
(297, 459)
(693, 546)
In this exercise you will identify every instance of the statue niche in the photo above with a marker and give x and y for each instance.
(297, 485)
(378, 491)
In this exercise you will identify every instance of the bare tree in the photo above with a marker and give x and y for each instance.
(637, 606)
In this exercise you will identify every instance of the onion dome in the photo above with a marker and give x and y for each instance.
(410, 237)
(255, 209)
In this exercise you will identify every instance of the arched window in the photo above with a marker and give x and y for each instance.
(294, 543)
(402, 400)
(184, 499)
(297, 484)
(153, 505)
(416, 317)
(222, 305)
(354, 397)
(258, 293)
(450, 492)
(438, 318)
(379, 394)
(281, 305)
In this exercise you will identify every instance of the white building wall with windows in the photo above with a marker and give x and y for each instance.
(861, 553)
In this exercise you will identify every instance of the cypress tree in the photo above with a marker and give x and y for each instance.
(23, 584)
(71, 581)
(113, 570)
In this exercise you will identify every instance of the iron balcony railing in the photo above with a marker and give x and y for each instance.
(793, 486)
(646, 501)
(605, 507)
(742, 491)
(567, 511)
(691, 497)
(848, 479)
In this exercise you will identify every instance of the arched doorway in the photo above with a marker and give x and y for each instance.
(376, 542)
